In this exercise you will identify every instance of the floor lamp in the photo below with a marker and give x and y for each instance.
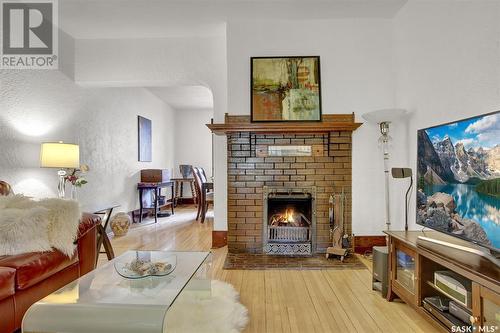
(383, 118)
(404, 173)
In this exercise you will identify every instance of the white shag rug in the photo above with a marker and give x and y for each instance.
(27, 225)
(220, 313)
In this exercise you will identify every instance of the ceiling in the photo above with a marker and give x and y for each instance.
(102, 19)
(185, 97)
(138, 19)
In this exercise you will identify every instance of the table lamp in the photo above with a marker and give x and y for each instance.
(61, 156)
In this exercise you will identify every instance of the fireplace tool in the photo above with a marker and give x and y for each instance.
(336, 218)
(346, 244)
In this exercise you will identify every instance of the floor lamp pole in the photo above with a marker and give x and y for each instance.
(384, 139)
(406, 202)
(386, 175)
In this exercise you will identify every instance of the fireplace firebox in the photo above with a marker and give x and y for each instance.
(289, 220)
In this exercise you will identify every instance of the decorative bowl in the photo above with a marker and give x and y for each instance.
(120, 223)
(165, 265)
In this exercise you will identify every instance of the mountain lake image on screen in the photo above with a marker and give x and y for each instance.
(458, 179)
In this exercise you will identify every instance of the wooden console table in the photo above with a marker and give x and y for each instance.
(156, 187)
(415, 282)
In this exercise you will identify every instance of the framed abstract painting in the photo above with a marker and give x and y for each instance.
(145, 139)
(285, 89)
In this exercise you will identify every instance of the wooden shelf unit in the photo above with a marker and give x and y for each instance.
(329, 123)
(484, 275)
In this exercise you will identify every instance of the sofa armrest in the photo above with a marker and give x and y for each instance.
(7, 282)
(87, 222)
(87, 242)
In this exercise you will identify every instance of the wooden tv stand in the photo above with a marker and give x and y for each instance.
(412, 285)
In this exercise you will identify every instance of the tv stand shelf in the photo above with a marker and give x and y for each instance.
(411, 277)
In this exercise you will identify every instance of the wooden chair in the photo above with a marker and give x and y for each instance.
(197, 188)
(204, 191)
(203, 174)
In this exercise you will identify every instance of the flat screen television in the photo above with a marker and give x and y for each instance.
(458, 179)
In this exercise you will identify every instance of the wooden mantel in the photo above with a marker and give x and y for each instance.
(330, 122)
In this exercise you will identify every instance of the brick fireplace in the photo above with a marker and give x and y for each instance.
(252, 177)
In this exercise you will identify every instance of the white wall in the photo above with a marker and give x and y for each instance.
(154, 62)
(193, 141)
(357, 75)
(37, 106)
(447, 63)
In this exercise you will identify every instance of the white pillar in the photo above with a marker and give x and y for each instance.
(220, 183)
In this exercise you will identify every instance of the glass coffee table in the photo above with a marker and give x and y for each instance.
(105, 301)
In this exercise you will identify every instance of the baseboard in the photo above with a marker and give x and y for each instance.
(362, 244)
(185, 201)
(219, 239)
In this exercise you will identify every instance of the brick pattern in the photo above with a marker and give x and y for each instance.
(247, 174)
(251, 261)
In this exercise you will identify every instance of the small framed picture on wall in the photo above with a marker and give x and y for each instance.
(145, 135)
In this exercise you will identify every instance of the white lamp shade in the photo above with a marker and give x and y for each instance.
(59, 155)
(384, 115)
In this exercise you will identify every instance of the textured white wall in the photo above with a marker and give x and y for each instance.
(157, 62)
(447, 63)
(37, 106)
(193, 141)
(356, 76)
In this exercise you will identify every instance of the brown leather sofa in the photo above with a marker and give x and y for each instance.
(27, 278)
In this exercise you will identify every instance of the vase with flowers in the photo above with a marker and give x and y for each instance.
(75, 177)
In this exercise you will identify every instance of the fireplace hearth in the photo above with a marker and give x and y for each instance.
(289, 221)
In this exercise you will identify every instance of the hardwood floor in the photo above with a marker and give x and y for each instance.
(283, 300)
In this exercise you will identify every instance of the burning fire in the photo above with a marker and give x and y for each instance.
(289, 218)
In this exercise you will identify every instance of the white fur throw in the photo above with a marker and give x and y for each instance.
(221, 313)
(27, 225)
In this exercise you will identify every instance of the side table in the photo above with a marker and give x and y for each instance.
(156, 188)
(102, 236)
